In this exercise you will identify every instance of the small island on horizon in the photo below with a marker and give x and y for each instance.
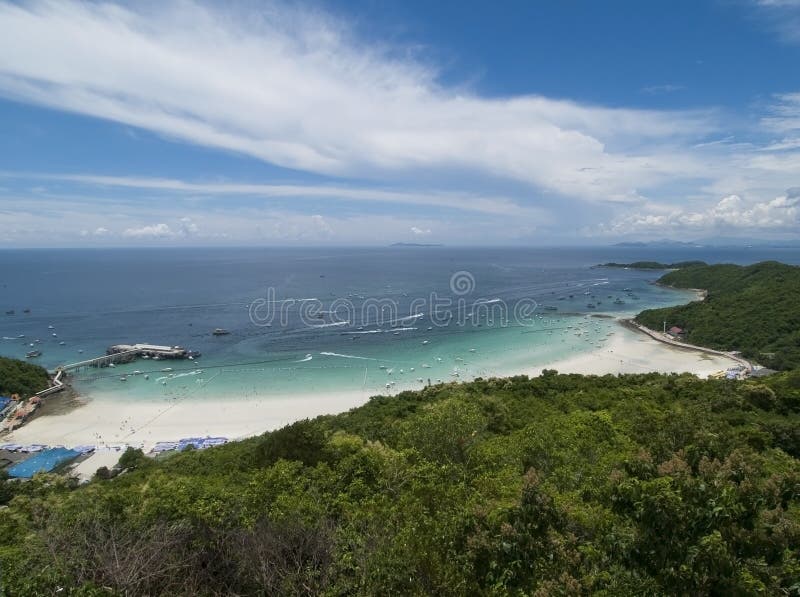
(655, 265)
(416, 245)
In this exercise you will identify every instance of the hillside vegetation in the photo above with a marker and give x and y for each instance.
(754, 309)
(558, 485)
(19, 377)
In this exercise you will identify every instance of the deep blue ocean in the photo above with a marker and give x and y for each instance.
(382, 301)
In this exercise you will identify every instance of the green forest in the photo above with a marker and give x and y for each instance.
(754, 309)
(19, 377)
(557, 485)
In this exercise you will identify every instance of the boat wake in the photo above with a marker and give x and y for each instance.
(177, 375)
(330, 325)
(346, 356)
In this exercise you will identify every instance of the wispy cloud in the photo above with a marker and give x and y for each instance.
(783, 16)
(662, 89)
(490, 204)
(783, 114)
(301, 91)
(298, 89)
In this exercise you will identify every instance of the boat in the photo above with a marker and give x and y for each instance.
(425, 341)
(220, 332)
(619, 301)
(33, 354)
(26, 310)
(550, 308)
(50, 327)
(123, 378)
(591, 306)
(62, 343)
(10, 312)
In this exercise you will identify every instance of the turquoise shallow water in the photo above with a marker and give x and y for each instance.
(368, 325)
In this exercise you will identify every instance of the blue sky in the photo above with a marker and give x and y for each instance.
(370, 122)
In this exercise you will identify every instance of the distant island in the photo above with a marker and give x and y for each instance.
(416, 245)
(663, 243)
(716, 241)
(655, 265)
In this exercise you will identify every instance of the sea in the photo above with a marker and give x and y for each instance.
(302, 321)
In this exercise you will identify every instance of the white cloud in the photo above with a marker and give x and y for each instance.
(321, 226)
(151, 231)
(187, 227)
(298, 90)
(99, 231)
(420, 231)
(781, 214)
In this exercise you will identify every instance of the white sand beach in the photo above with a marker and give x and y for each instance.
(104, 421)
(628, 351)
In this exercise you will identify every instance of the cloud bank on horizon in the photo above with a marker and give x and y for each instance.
(369, 143)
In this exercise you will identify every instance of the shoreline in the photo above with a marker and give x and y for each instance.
(105, 422)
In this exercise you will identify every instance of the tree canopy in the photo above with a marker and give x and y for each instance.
(19, 377)
(561, 484)
(754, 309)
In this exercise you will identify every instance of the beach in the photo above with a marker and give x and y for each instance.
(103, 421)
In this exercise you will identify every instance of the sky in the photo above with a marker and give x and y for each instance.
(370, 122)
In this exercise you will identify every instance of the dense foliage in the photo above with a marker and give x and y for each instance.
(559, 485)
(19, 377)
(754, 309)
(655, 264)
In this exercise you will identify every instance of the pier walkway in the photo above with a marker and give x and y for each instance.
(125, 353)
(102, 361)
